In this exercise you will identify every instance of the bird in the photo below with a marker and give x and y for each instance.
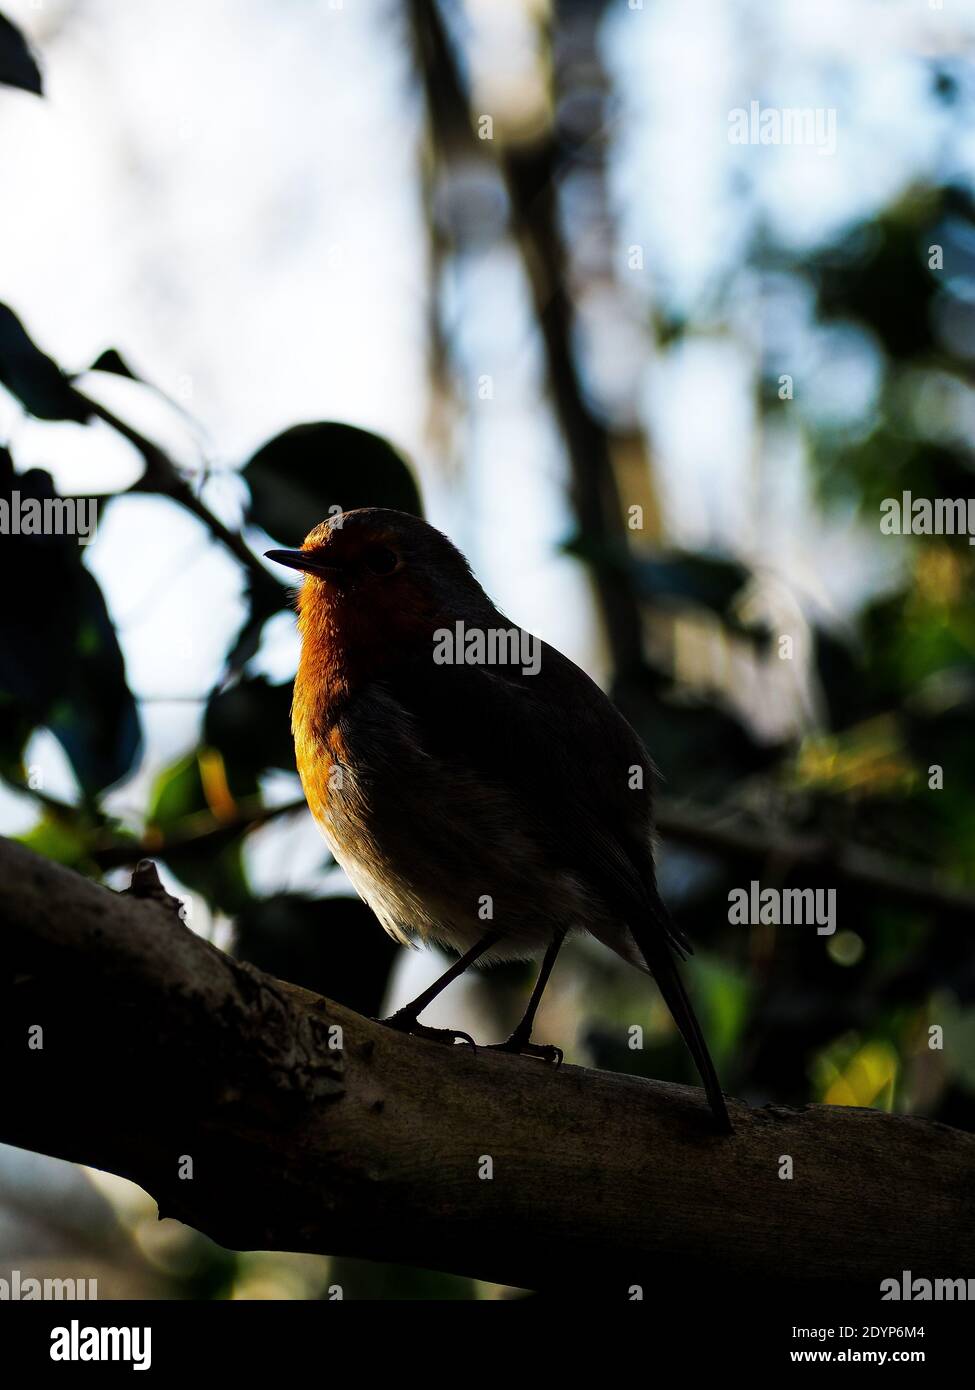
(478, 788)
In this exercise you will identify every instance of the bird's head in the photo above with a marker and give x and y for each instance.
(377, 581)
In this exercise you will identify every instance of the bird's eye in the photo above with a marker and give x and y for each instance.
(380, 559)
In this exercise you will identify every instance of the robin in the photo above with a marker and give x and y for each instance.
(477, 787)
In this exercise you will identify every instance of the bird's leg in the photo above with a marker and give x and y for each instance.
(520, 1040)
(405, 1019)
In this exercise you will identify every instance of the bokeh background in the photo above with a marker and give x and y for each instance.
(501, 260)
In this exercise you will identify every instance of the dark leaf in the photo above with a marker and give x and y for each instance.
(701, 748)
(841, 680)
(17, 65)
(94, 716)
(707, 580)
(297, 477)
(60, 662)
(674, 579)
(854, 278)
(112, 361)
(33, 377)
(250, 723)
(263, 601)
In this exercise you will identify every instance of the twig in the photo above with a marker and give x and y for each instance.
(164, 478)
(697, 828)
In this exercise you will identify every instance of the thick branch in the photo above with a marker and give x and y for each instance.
(156, 1047)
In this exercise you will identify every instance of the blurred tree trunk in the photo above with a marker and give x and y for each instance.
(530, 170)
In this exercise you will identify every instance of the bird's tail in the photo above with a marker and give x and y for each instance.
(663, 968)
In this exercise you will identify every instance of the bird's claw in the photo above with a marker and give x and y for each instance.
(547, 1052)
(406, 1023)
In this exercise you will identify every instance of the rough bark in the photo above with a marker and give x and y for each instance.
(157, 1046)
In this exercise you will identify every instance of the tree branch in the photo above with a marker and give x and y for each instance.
(758, 845)
(157, 1048)
(162, 477)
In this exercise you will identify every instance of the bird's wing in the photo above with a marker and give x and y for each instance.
(560, 753)
(556, 745)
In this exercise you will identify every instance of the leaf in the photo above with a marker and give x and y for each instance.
(17, 65)
(112, 361)
(16, 728)
(854, 278)
(707, 580)
(36, 380)
(60, 662)
(700, 747)
(842, 679)
(724, 996)
(188, 796)
(94, 717)
(297, 477)
(200, 785)
(64, 842)
(250, 723)
(677, 578)
(867, 1078)
(263, 601)
(176, 794)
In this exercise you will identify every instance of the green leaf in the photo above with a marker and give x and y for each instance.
(724, 999)
(177, 793)
(188, 797)
(63, 841)
(36, 380)
(17, 65)
(199, 784)
(297, 477)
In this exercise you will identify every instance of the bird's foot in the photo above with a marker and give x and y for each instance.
(522, 1047)
(405, 1022)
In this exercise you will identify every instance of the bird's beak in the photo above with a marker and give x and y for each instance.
(303, 560)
